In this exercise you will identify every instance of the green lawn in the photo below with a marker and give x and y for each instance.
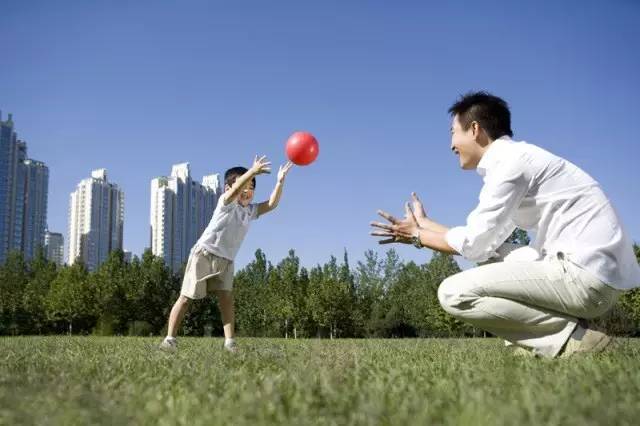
(125, 380)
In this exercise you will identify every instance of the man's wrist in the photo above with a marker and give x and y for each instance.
(415, 239)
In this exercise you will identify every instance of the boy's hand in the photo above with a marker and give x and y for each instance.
(261, 165)
(283, 170)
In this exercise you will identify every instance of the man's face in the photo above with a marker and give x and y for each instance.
(464, 144)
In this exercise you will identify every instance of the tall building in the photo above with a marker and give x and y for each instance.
(54, 247)
(24, 185)
(180, 211)
(96, 220)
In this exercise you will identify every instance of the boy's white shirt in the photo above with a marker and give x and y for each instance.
(227, 229)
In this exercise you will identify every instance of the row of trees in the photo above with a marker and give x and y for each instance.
(379, 297)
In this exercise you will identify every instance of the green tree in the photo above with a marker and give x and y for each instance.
(71, 299)
(41, 275)
(251, 298)
(13, 279)
(110, 283)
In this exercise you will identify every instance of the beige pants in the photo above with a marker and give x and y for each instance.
(534, 304)
(206, 272)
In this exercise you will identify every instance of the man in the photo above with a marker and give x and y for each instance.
(539, 297)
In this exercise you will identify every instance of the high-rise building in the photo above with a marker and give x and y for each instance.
(54, 247)
(23, 195)
(34, 223)
(180, 211)
(96, 220)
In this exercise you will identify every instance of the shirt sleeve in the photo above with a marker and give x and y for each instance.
(253, 211)
(491, 222)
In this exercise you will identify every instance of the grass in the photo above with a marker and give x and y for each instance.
(125, 380)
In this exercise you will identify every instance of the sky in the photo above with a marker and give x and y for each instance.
(135, 87)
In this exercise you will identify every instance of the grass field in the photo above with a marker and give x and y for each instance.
(125, 380)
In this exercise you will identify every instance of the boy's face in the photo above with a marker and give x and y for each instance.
(246, 194)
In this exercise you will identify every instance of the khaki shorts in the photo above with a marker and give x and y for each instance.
(205, 273)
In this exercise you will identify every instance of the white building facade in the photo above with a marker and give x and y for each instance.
(96, 220)
(180, 211)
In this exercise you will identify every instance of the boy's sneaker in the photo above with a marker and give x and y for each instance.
(169, 345)
(230, 346)
(585, 340)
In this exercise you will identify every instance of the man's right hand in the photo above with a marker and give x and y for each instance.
(261, 165)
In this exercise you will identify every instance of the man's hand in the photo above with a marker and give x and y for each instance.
(283, 170)
(261, 165)
(397, 231)
(418, 210)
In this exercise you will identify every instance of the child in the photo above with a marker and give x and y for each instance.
(210, 265)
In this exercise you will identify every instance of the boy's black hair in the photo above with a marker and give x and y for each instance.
(234, 173)
(491, 112)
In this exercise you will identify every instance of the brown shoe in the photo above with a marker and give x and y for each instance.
(585, 340)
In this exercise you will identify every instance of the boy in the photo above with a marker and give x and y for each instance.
(210, 265)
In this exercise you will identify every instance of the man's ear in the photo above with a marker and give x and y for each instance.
(475, 129)
(478, 133)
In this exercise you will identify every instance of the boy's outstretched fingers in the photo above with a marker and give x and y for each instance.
(262, 164)
(283, 170)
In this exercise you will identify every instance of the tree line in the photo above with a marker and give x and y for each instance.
(380, 296)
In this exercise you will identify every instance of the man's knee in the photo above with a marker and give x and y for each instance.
(449, 294)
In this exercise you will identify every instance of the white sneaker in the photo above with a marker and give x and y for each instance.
(585, 340)
(169, 345)
(230, 347)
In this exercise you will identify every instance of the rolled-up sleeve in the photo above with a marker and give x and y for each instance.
(491, 222)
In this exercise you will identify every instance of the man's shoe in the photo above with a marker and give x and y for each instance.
(520, 352)
(585, 340)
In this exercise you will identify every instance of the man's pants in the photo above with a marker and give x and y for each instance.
(533, 304)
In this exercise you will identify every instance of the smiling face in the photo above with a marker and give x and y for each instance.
(465, 144)
(246, 194)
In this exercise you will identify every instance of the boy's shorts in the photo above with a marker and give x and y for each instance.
(205, 273)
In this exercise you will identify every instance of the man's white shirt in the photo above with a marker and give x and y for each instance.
(532, 189)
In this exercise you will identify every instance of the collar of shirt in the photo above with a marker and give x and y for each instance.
(492, 154)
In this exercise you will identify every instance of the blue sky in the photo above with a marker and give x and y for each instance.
(135, 87)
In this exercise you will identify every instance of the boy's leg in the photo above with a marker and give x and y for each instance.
(533, 304)
(225, 302)
(176, 315)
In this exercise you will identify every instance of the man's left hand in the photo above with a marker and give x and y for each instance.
(396, 231)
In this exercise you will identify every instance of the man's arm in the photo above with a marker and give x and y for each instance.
(421, 216)
(403, 231)
(260, 165)
(274, 199)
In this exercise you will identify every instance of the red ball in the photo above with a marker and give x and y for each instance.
(302, 148)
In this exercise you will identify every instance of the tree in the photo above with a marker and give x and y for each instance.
(250, 291)
(110, 284)
(71, 298)
(13, 279)
(41, 275)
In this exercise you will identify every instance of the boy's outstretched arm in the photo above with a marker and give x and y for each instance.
(267, 206)
(260, 165)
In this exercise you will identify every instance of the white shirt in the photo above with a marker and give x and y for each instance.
(227, 229)
(532, 189)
